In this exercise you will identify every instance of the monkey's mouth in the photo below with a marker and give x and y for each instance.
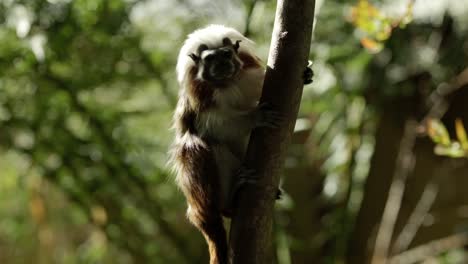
(223, 71)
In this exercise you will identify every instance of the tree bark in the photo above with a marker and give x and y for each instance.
(251, 226)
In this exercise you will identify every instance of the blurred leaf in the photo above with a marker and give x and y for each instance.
(371, 45)
(438, 133)
(453, 150)
(408, 16)
(376, 26)
(37, 208)
(461, 134)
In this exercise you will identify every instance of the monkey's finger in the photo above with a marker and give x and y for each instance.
(273, 119)
(246, 172)
(245, 175)
(307, 75)
(279, 193)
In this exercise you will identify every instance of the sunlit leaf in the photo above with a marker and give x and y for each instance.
(99, 214)
(453, 151)
(37, 209)
(371, 45)
(376, 25)
(438, 133)
(384, 31)
(461, 134)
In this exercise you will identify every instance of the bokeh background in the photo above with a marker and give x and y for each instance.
(87, 90)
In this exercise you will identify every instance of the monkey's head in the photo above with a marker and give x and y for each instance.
(217, 64)
(213, 54)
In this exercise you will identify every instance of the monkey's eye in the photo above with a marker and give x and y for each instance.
(209, 57)
(226, 53)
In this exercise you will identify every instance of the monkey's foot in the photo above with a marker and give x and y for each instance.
(246, 176)
(308, 73)
(250, 176)
(267, 117)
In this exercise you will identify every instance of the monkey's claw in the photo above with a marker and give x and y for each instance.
(267, 117)
(279, 193)
(308, 74)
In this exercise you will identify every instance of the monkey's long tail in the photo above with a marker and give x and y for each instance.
(215, 235)
(199, 181)
(210, 223)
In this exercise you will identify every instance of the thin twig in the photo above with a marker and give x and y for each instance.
(248, 18)
(438, 98)
(416, 219)
(404, 167)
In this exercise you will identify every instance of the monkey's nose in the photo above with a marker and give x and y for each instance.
(227, 53)
(224, 66)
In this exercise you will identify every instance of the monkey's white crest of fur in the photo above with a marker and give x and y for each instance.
(212, 36)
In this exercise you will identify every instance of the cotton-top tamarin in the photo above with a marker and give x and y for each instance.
(221, 81)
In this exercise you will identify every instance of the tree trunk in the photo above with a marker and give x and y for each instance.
(251, 226)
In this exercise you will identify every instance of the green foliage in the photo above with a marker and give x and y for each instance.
(77, 102)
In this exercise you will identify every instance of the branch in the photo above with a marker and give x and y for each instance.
(416, 218)
(250, 8)
(438, 100)
(252, 220)
(433, 248)
(404, 167)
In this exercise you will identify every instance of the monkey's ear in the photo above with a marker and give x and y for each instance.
(202, 48)
(194, 57)
(227, 42)
(236, 46)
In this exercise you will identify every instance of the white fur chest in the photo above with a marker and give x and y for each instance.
(229, 119)
(244, 92)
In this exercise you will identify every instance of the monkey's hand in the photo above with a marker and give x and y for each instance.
(265, 116)
(308, 73)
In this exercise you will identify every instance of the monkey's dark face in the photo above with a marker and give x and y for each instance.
(219, 64)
